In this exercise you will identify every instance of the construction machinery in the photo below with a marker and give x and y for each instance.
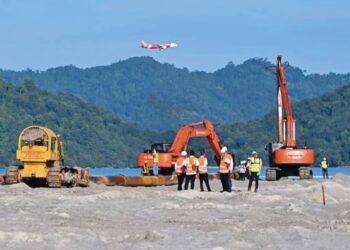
(42, 153)
(285, 158)
(168, 153)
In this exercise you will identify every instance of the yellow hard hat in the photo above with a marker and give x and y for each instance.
(146, 161)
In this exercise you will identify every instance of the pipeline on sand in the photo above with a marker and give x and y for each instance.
(146, 181)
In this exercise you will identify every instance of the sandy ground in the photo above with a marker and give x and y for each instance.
(282, 215)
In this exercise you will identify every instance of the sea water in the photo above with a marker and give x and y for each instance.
(332, 171)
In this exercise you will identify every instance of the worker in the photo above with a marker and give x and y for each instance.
(145, 170)
(242, 170)
(180, 167)
(155, 162)
(324, 165)
(225, 168)
(191, 170)
(254, 168)
(203, 171)
(247, 168)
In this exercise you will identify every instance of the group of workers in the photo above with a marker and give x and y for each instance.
(250, 169)
(187, 167)
(145, 168)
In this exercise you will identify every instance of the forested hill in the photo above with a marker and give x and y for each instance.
(92, 136)
(161, 96)
(95, 137)
(321, 122)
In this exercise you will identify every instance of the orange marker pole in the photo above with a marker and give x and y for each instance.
(324, 195)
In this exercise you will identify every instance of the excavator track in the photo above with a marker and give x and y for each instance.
(271, 175)
(305, 173)
(54, 179)
(12, 175)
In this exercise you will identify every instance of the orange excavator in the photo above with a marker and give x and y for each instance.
(168, 153)
(285, 158)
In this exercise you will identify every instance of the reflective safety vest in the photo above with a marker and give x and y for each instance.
(145, 169)
(155, 158)
(324, 164)
(179, 170)
(255, 164)
(191, 165)
(203, 168)
(225, 163)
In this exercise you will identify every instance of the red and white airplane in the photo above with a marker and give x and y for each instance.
(159, 46)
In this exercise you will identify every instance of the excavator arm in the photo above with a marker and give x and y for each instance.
(199, 129)
(286, 123)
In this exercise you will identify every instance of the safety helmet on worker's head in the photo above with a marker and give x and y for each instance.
(243, 162)
(254, 153)
(154, 151)
(146, 161)
(223, 150)
(324, 158)
(184, 153)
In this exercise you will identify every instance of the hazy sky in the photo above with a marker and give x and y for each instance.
(311, 34)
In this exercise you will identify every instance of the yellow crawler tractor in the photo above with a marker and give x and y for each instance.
(42, 153)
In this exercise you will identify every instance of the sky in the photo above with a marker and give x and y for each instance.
(39, 34)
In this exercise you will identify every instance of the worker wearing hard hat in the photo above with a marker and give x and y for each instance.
(180, 167)
(155, 162)
(242, 170)
(254, 168)
(324, 165)
(203, 171)
(191, 170)
(145, 170)
(225, 169)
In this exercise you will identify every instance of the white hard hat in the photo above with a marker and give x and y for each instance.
(223, 150)
(154, 151)
(243, 162)
(183, 153)
(254, 153)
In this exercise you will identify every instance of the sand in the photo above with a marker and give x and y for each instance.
(282, 215)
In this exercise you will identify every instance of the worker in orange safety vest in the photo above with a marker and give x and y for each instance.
(203, 171)
(225, 170)
(180, 167)
(191, 170)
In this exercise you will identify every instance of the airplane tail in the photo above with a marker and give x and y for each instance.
(143, 44)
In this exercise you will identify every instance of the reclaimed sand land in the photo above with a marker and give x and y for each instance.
(283, 215)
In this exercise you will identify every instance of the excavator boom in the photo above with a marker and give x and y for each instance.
(199, 129)
(286, 124)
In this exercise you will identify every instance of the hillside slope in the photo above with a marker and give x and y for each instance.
(161, 96)
(92, 136)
